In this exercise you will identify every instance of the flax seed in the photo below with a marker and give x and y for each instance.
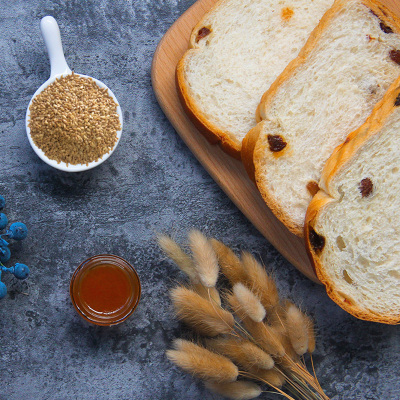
(68, 118)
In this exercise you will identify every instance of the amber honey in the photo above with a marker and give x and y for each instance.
(105, 290)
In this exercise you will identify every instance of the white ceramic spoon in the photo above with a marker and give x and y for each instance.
(52, 38)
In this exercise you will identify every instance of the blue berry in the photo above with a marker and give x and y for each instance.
(17, 231)
(5, 254)
(21, 271)
(3, 290)
(2, 202)
(3, 221)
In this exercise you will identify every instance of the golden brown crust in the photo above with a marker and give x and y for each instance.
(212, 133)
(248, 145)
(340, 157)
(317, 203)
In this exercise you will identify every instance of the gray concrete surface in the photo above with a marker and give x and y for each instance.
(152, 183)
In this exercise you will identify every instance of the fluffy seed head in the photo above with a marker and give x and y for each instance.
(235, 306)
(267, 337)
(311, 334)
(205, 259)
(206, 318)
(240, 390)
(230, 264)
(178, 256)
(276, 316)
(242, 352)
(271, 377)
(297, 329)
(249, 302)
(211, 294)
(259, 281)
(202, 363)
(290, 354)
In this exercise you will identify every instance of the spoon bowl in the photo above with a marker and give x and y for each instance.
(59, 68)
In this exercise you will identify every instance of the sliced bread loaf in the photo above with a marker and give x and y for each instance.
(352, 225)
(236, 52)
(328, 91)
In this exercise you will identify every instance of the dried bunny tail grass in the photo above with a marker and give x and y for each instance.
(272, 377)
(259, 281)
(203, 316)
(290, 354)
(278, 320)
(178, 256)
(202, 363)
(206, 262)
(240, 390)
(235, 306)
(249, 302)
(297, 328)
(242, 352)
(311, 334)
(276, 317)
(211, 294)
(267, 337)
(230, 264)
(186, 265)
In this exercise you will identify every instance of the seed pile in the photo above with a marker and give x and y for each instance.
(74, 120)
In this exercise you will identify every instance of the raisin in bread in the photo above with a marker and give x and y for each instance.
(236, 52)
(352, 225)
(328, 91)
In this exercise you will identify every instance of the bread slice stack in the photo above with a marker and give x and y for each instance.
(328, 91)
(353, 222)
(341, 92)
(236, 52)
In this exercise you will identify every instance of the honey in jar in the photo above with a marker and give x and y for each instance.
(105, 290)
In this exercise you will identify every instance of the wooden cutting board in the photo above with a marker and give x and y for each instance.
(226, 171)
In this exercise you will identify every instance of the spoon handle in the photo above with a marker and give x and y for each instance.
(52, 39)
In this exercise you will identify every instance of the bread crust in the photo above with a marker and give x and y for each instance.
(248, 154)
(342, 155)
(252, 150)
(212, 133)
(248, 145)
(249, 148)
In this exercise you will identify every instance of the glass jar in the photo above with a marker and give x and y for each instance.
(105, 290)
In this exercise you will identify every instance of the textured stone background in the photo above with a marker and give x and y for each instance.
(152, 183)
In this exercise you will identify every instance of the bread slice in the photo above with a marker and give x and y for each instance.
(352, 225)
(236, 52)
(329, 90)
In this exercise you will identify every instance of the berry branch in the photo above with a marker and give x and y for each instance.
(16, 231)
